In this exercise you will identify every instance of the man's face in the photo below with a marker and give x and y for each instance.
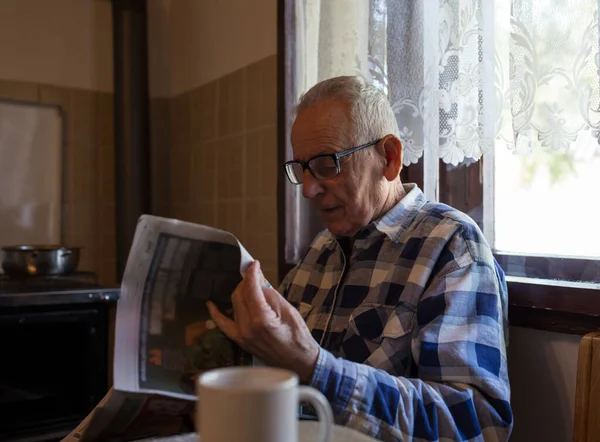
(349, 201)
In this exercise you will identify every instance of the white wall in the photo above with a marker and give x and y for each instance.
(60, 42)
(543, 372)
(206, 40)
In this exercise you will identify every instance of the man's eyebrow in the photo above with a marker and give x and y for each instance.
(326, 151)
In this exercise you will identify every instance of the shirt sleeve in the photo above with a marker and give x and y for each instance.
(458, 345)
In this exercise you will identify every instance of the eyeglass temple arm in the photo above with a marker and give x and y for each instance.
(354, 149)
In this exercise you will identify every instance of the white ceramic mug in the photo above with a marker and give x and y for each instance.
(255, 404)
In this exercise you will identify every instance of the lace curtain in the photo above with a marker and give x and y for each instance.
(463, 76)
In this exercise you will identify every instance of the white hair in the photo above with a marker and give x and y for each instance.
(370, 111)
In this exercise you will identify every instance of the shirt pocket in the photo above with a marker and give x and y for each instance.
(380, 335)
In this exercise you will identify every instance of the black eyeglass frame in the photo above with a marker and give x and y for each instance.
(336, 159)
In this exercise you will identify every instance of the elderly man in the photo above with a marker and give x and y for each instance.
(398, 311)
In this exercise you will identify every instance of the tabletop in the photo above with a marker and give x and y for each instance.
(307, 432)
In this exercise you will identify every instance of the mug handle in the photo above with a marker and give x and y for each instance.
(321, 405)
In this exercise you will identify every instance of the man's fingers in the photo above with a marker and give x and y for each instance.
(274, 299)
(224, 324)
(254, 297)
(241, 315)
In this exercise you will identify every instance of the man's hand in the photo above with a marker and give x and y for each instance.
(268, 326)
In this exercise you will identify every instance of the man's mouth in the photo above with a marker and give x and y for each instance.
(329, 210)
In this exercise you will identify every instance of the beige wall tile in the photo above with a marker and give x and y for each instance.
(231, 108)
(106, 172)
(90, 176)
(180, 120)
(210, 150)
(82, 120)
(196, 112)
(230, 162)
(261, 103)
(263, 247)
(253, 148)
(261, 215)
(108, 246)
(232, 155)
(81, 155)
(223, 106)
(269, 91)
(221, 215)
(254, 184)
(236, 219)
(18, 90)
(269, 182)
(204, 103)
(106, 118)
(223, 185)
(203, 179)
(230, 217)
(55, 95)
(204, 213)
(79, 231)
(253, 95)
(261, 166)
(261, 182)
(268, 143)
(107, 220)
(237, 101)
(82, 173)
(160, 144)
(223, 122)
(182, 211)
(180, 174)
(231, 152)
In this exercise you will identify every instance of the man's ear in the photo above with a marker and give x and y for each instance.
(392, 152)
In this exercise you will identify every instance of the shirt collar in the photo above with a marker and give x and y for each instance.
(399, 217)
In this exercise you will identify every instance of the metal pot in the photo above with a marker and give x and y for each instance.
(32, 260)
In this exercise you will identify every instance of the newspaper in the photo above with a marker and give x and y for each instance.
(164, 334)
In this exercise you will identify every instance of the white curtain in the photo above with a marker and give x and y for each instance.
(463, 76)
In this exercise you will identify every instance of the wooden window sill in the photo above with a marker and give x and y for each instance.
(552, 305)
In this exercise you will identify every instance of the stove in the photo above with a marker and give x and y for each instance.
(40, 283)
(54, 334)
(78, 287)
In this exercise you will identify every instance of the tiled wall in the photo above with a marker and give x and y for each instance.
(223, 157)
(88, 211)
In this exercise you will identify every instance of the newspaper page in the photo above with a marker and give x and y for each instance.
(164, 334)
(123, 416)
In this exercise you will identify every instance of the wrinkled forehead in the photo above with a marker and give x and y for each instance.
(325, 127)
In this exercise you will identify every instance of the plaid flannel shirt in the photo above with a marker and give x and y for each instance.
(412, 326)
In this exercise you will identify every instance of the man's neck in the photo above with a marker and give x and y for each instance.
(395, 194)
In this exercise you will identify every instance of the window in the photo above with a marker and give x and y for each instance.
(546, 179)
(498, 105)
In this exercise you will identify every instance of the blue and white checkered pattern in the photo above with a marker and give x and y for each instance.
(414, 332)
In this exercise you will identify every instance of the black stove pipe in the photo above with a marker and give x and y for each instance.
(132, 140)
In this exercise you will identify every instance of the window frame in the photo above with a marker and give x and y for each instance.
(539, 303)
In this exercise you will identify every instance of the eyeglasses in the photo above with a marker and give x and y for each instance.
(322, 167)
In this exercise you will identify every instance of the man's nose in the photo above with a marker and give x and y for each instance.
(311, 187)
